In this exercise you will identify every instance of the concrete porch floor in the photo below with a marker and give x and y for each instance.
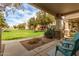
(14, 48)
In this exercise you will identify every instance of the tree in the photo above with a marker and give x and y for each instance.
(32, 23)
(17, 4)
(2, 21)
(2, 24)
(15, 26)
(43, 19)
(21, 26)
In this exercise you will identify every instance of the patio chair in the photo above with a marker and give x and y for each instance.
(69, 47)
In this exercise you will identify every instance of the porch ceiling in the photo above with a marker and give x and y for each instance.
(58, 8)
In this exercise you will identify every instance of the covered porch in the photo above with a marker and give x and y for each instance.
(64, 13)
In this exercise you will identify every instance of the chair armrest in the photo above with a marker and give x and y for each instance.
(67, 43)
(68, 39)
(65, 48)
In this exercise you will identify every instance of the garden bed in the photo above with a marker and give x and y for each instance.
(35, 42)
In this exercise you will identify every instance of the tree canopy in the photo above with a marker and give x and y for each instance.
(42, 18)
(2, 21)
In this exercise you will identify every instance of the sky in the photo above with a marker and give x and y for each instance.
(22, 14)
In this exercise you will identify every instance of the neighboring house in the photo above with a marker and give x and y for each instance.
(26, 26)
(41, 27)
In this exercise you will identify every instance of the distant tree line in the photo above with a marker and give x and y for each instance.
(20, 26)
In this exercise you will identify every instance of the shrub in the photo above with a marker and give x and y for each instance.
(49, 33)
(6, 30)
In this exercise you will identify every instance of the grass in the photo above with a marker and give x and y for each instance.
(18, 34)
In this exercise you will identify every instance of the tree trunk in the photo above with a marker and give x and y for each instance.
(0, 39)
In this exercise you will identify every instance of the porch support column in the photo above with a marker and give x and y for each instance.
(66, 28)
(59, 25)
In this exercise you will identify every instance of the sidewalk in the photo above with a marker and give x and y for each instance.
(16, 49)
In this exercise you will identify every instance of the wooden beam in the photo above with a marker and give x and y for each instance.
(72, 12)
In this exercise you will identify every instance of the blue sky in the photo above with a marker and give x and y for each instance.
(22, 14)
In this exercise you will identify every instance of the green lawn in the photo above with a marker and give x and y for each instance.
(18, 34)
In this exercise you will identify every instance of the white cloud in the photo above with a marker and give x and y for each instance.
(20, 15)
